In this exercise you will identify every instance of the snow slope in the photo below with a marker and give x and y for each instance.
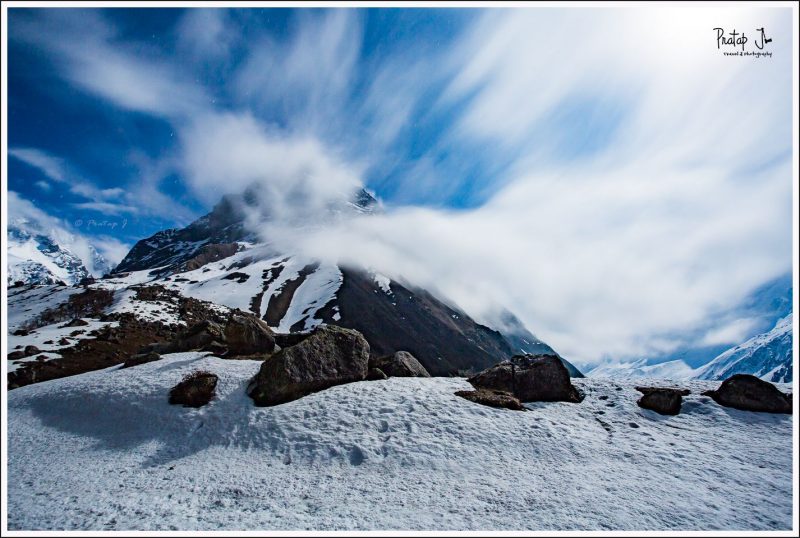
(674, 370)
(767, 355)
(403, 453)
(41, 255)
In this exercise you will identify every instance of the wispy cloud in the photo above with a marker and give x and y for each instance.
(51, 167)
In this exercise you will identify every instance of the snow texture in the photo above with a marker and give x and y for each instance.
(105, 451)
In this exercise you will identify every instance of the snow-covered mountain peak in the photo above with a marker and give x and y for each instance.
(39, 254)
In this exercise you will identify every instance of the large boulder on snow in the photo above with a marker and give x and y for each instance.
(400, 364)
(329, 356)
(749, 393)
(666, 401)
(242, 334)
(246, 334)
(195, 390)
(198, 336)
(492, 398)
(531, 378)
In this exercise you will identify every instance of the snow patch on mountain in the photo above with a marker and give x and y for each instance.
(767, 355)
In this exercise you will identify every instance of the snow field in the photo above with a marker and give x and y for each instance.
(105, 451)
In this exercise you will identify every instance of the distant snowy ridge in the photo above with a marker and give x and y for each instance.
(37, 255)
(675, 370)
(767, 355)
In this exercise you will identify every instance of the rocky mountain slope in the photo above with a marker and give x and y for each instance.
(217, 259)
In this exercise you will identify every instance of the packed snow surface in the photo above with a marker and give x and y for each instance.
(105, 451)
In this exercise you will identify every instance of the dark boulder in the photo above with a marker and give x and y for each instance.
(20, 332)
(32, 350)
(329, 356)
(198, 336)
(666, 401)
(492, 398)
(246, 334)
(531, 378)
(77, 322)
(290, 339)
(216, 348)
(400, 364)
(749, 393)
(141, 358)
(376, 374)
(195, 390)
(16, 355)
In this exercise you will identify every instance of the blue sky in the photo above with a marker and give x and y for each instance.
(623, 193)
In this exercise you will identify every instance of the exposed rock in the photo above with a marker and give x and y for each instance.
(376, 374)
(195, 390)
(749, 393)
(156, 347)
(141, 358)
(530, 378)
(20, 332)
(32, 350)
(492, 398)
(198, 336)
(246, 334)
(329, 356)
(290, 339)
(237, 276)
(16, 355)
(216, 348)
(666, 401)
(77, 322)
(401, 364)
(211, 253)
(63, 342)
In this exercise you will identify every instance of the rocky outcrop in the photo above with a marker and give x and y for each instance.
(141, 358)
(492, 398)
(531, 378)
(198, 336)
(210, 253)
(666, 401)
(195, 390)
(327, 357)
(242, 334)
(246, 334)
(400, 364)
(77, 322)
(749, 393)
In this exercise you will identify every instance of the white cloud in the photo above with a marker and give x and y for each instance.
(51, 167)
(226, 153)
(735, 332)
(675, 220)
(106, 208)
(112, 249)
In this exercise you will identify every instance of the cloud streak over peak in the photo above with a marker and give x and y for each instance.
(621, 191)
